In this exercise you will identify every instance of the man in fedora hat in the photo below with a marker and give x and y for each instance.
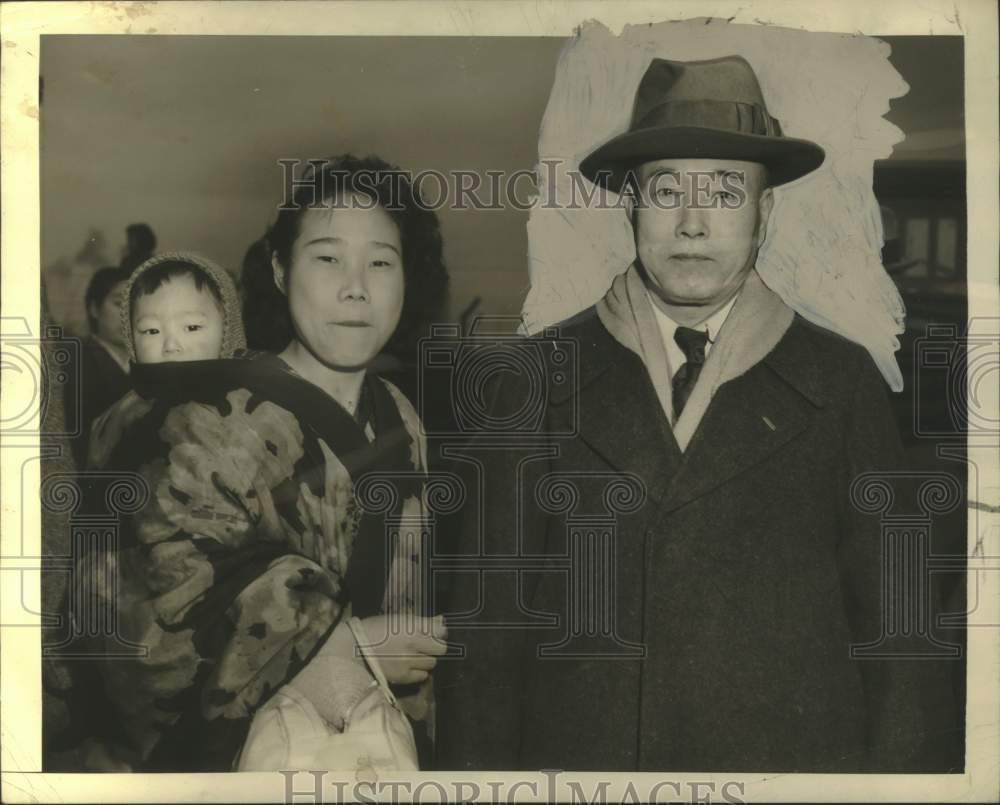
(709, 621)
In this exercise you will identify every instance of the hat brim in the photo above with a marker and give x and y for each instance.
(786, 158)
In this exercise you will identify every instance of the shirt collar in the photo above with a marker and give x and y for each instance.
(711, 325)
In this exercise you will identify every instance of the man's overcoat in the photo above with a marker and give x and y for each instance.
(742, 575)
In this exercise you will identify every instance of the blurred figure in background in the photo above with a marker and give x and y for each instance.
(102, 377)
(66, 281)
(140, 243)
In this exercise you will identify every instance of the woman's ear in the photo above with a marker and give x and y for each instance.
(279, 272)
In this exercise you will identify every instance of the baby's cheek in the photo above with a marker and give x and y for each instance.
(146, 350)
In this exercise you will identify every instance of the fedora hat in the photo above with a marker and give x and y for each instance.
(710, 109)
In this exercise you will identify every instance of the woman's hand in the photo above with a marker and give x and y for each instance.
(407, 647)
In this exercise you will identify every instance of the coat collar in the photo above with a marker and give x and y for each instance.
(615, 407)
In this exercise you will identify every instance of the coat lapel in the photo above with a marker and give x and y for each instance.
(748, 419)
(619, 415)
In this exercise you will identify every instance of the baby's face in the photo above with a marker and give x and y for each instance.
(177, 322)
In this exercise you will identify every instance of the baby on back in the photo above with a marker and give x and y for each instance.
(182, 307)
(178, 307)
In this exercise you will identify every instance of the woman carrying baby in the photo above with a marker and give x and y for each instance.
(256, 546)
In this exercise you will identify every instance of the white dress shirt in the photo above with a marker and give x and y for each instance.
(711, 325)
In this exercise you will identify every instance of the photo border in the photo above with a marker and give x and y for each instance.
(22, 25)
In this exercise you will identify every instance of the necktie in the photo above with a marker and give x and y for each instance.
(692, 342)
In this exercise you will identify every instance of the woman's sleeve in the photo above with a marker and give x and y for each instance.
(219, 586)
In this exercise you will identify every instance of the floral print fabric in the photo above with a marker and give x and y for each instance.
(240, 564)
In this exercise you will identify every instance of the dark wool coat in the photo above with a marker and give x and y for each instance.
(746, 574)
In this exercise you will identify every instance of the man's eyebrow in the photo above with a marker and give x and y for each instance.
(716, 174)
(663, 172)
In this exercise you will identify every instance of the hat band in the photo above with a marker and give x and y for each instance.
(735, 116)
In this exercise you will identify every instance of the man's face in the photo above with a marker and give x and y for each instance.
(698, 225)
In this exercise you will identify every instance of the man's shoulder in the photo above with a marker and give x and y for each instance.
(584, 329)
(823, 365)
(821, 337)
(588, 349)
(569, 354)
(833, 349)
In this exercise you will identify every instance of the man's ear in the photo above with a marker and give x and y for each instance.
(631, 197)
(631, 202)
(628, 201)
(279, 272)
(764, 207)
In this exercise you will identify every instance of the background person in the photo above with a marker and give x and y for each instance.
(102, 376)
(140, 244)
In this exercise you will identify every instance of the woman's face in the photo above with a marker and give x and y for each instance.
(345, 282)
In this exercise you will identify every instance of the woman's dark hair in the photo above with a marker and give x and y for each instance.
(100, 286)
(265, 308)
(149, 281)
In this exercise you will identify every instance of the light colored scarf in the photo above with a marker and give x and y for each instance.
(754, 326)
